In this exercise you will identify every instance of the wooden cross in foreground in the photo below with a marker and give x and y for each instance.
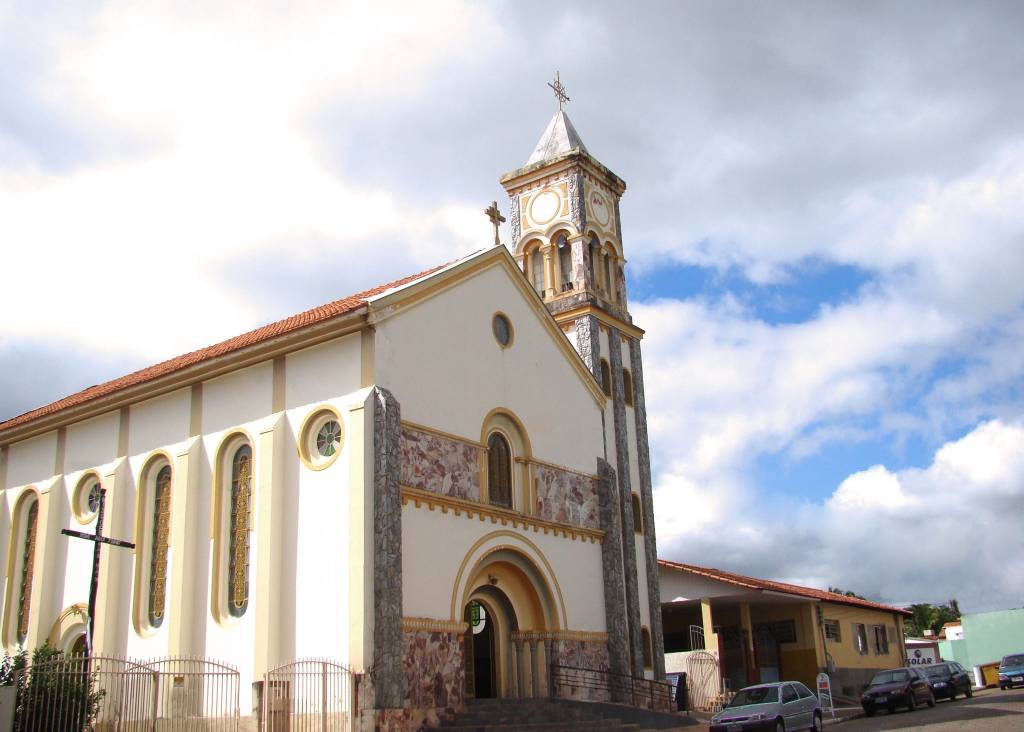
(99, 540)
(496, 218)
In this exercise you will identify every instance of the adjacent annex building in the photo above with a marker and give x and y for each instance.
(760, 630)
(442, 482)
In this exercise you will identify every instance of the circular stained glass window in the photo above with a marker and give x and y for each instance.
(502, 330)
(328, 438)
(321, 438)
(94, 498)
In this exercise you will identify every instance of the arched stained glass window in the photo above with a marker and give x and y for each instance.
(565, 262)
(606, 378)
(499, 470)
(28, 554)
(159, 544)
(238, 532)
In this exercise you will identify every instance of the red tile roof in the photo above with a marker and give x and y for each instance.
(309, 317)
(754, 583)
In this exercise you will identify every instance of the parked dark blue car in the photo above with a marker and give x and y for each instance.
(1011, 671)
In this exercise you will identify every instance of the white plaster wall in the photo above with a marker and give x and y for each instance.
(429, 574)
(159, 422)
(442, 363)
(317, 534)
(238, 398)
(32, 461)
(641, 573)
(91, 443)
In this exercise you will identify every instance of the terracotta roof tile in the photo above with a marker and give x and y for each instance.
(754, 583)
(281, 327)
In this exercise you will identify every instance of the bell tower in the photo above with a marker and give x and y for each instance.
(567, 239)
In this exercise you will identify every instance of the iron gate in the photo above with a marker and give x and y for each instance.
(704, 681)
(191, 689)
(108, 694)
(307, 695)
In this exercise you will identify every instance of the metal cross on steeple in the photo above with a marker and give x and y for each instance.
(559, 92)
(496, 218)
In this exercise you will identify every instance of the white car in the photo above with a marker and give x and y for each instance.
(778, 707)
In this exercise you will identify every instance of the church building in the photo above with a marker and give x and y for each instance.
(442, 483)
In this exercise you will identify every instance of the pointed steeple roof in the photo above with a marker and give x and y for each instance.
(559, 137)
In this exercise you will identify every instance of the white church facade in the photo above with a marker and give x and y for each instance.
(442, 483)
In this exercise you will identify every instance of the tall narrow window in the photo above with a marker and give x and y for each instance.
(627, 386)
(565, 262)
(499, 471)
(158, 546)
(595, 270)
(537, 268)
(638, 516)
(608, 284)
(648, 651)
(28, 554)
(238, 528)
(606, 378)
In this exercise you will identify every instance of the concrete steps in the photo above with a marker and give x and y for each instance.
(541, 715)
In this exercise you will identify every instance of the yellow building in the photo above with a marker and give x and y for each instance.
(759, 630)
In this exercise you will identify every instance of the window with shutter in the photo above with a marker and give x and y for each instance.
(499, 471)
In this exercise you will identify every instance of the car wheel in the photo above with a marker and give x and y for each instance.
(816, 722)
(780, 726)
(952, 693)
(869, 712)
(911, 702)
(969, 692)
(931, 701)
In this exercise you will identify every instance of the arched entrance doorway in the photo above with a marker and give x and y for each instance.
(510, 612)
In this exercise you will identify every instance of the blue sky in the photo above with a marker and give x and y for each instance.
(823, 229)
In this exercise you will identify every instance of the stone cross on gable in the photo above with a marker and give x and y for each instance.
(98, 540)
(496, 218)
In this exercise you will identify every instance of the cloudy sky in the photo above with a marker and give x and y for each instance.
(824, 225)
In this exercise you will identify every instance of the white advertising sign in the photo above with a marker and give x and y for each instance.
(922, 657)
(825, 694)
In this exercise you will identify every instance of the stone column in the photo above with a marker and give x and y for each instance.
(550, 286)
(549, 655)
(707, 619)
(643, 453)
(535, 666)
(612, 572)
(520, 668)
(388, 674)
(582, 271)
(636, 665)
(588, 343)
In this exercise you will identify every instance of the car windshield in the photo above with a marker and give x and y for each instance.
(1012, 661)
(890, 677)
(755, 695)
(937, 672)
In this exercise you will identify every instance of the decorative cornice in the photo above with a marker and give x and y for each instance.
(604, 317)
(433, 625)
(584, 636)
(505, 517)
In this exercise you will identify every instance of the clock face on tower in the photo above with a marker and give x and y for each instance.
(599, 209)
(544, 206)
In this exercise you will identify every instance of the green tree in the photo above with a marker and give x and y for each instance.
(846, 593)
(55, 693)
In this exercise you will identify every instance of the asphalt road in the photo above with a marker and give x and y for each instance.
(990, 709)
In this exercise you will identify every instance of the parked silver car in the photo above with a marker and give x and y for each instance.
(783, 705)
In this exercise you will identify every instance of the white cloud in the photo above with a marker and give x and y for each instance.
(217, 102)
(951, 529)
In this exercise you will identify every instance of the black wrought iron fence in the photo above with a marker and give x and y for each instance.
(574, 682)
